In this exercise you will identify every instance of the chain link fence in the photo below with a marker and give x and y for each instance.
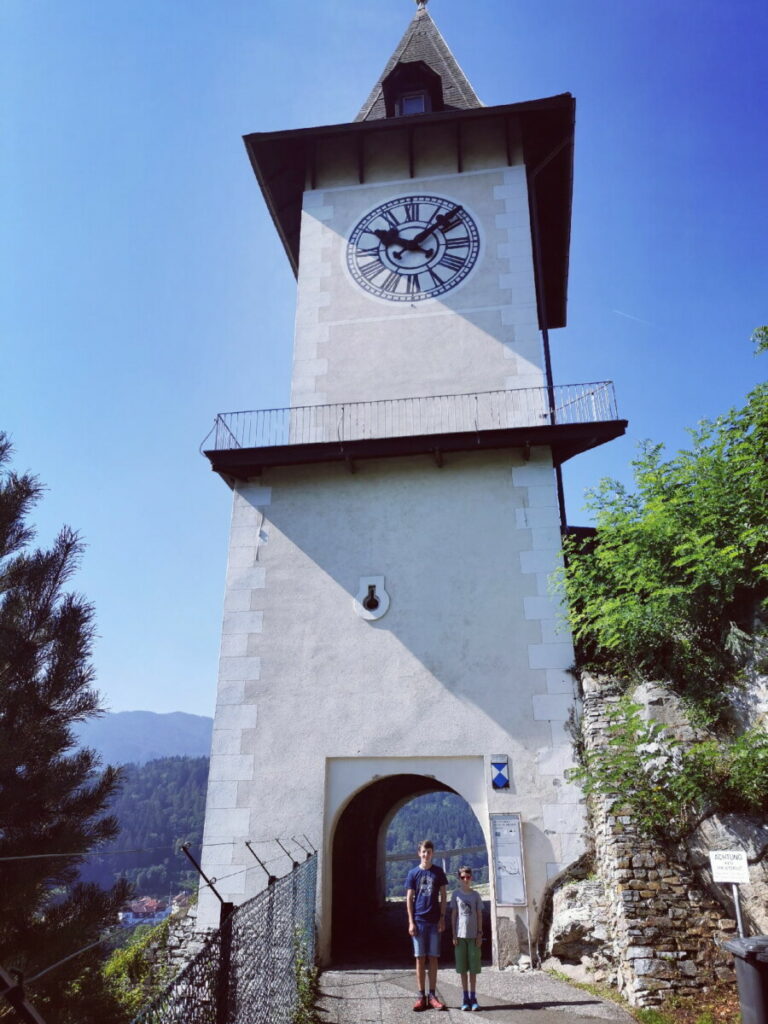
(252, 970)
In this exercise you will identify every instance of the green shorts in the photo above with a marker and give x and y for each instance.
(467, 957)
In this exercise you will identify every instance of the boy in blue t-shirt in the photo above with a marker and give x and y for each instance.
(425, 901)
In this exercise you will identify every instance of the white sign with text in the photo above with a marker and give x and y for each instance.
(729, 866)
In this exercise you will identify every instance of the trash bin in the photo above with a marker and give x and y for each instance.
(751, 957)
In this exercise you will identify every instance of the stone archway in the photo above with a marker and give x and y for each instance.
(363, 930)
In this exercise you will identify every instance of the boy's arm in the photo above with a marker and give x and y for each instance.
(454, 921)
(443, 900)
(479, 938)
(409, 898)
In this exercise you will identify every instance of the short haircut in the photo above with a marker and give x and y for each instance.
(464, 869)
(427, 843)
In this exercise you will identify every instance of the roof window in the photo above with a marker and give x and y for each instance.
(412, 88)
(413, 103)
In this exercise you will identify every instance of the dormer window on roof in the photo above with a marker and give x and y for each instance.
(421, 56)
(412, 87)
(413, 103)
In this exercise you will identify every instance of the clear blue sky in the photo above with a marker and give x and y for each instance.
(143, 288)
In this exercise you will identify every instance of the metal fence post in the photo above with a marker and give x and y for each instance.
(246, 972)
(225, 963)
(270, 952)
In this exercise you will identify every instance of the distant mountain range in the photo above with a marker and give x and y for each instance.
(140, 736)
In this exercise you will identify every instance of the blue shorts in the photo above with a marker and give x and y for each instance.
(427, 940)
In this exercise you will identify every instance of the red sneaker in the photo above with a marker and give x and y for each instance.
(421, 1004)
(435, 1003)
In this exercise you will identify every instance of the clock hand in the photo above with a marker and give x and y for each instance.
(445, 221)
(411, 245)
(391, 236)
(388, 236)
(442, 221)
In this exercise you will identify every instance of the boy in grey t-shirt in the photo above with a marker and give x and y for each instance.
(467, 924)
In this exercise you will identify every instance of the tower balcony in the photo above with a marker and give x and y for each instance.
(568, 418)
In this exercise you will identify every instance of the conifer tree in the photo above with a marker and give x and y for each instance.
(52, 795)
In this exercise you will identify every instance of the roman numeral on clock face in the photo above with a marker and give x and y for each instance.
(431, 219)
(390, 282)
(413, 248)
(451, 262)
(411, 211)
(371, 269)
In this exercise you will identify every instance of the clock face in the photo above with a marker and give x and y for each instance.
(413, 248)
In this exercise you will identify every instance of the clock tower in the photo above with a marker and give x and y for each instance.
(389, 628)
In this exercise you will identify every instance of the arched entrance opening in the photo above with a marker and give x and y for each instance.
(366, 928)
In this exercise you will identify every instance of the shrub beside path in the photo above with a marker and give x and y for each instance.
(370, 996)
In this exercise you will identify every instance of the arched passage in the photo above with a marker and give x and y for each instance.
(359, 927)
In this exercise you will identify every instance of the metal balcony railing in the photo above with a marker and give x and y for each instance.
(410, 417)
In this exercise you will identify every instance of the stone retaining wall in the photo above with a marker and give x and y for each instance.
(661, 924)
(170, 954)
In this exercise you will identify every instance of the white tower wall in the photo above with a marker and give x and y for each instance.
(470, 660)
(483, 336)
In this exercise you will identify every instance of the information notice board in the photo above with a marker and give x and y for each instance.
(507, 837)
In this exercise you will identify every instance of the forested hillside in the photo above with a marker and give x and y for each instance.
(161, 804)
(448, 821)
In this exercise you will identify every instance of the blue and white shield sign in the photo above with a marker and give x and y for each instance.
(500, 772)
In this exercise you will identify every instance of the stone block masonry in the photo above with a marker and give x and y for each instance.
(173, 947)
(662, 925)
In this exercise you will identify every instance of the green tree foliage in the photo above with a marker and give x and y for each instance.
(680, 568)
(674, 588)
(52, 796)
(160, 805)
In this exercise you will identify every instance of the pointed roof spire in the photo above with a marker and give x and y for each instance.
(423, 42)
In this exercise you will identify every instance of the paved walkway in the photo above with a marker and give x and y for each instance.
(507, 997)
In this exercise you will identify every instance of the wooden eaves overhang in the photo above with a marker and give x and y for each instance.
(565, 440)
(284, 164)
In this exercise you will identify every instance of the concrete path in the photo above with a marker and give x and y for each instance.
(368, 996)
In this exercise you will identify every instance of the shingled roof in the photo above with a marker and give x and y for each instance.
(423, 42)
